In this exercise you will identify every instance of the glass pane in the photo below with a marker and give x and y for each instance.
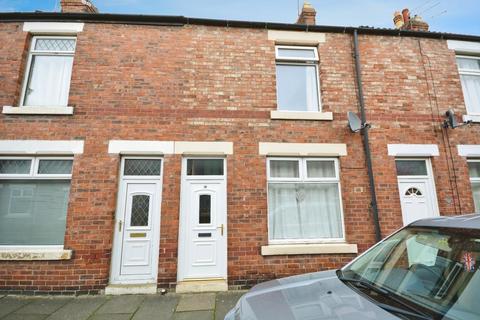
(142, 167)
(466, 63)
(476, 195)
(474, 169)
(33, 212)
(471, 92)
(320, 169)
(297, 87)
(205, 209)
(49, 81)
(304, 211)
(140, 208)
(55, 166)
(15, 166)
(205, 167)
(284, 169)
(411, 167)
(55, 44)
(296, 53)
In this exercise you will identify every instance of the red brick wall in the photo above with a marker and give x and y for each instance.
(212, 83)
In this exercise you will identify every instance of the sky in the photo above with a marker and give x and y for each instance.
(454, 16)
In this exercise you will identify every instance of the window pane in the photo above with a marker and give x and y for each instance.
(471, 92)
(15, 166)
(474, 169)
(55, 166)
(205, 167)
(33, 212)
(55, 44)
(142, 167)
(476, 195)
(297, 87)
(49, 81)
(296, 53)
(411, 167)
(140, 208)
(204, 215)
(466, 63)
(320, 169)
(304, 211)
(284, 169)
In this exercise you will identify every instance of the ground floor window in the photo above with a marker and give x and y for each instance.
(33, 200)
(474, 169)
(304, 202)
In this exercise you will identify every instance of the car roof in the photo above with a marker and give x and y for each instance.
(468, 221)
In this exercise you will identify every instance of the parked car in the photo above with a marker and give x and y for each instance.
(426, 270)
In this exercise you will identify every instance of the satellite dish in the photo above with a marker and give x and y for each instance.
(451, 121)
(354, 122)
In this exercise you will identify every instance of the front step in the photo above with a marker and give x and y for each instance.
(119, 289)
(192, 286)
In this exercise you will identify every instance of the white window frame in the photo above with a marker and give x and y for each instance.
(302, 161)
(471, 72)
(474, 179)
(32, 52)
(204, 177)
(300, 61)
(133, 177)
(33, 175)
(427, 167)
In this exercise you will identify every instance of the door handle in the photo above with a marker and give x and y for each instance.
(221, 229)
(119, 225)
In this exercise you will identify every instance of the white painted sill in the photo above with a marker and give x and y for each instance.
(38, 110)
(324, 248)
(299, 115)
(34, 254)
(471, 117)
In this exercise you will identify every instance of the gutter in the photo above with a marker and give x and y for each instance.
(366, 142)
(136, 19)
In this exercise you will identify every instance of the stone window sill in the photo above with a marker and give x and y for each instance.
(35, 254)
(472, 117)
(38, 110)
(299, 115)
(325, 248)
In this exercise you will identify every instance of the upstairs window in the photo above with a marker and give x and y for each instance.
(469, 70)
(49, 70)
(474, 170)
(298, 87)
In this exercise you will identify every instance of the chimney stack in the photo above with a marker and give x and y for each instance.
(403, 21)
(307, 16)
(78, 6)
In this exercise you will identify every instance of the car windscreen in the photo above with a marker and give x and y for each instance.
(435, 269)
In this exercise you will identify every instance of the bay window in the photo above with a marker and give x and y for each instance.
(469, 70)
(304, 202)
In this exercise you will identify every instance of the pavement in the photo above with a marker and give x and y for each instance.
(171, 306)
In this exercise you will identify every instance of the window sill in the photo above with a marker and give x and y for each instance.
(292, 249)
(34, 254)
(38, 110)
(471, 117)
(300, 115)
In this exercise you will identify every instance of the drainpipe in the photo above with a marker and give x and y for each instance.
(366, 143)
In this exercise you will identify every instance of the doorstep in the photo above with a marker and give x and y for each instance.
(207, 285)
(119, 289)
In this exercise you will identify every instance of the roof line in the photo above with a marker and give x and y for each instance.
(181, 20)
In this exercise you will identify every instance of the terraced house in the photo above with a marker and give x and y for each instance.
(143, 152)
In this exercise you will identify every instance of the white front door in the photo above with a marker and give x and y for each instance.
(416, 189)
(137, 231)
(203, 225)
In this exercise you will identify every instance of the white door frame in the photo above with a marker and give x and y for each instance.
(429, 178)
(182, 236)
(119, 216)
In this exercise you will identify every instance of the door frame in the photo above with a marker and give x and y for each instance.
(182, 223)
(117, 244)
(429, 178)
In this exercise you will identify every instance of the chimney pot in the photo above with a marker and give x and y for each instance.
(398, 20)
(406, 16)
(78, 6)
(307, 16)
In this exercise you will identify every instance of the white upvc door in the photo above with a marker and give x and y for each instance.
(137, 230)
(416, 188)
(203, 226)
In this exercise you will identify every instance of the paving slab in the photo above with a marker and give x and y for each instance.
(111, 316)
(11, 304)
(193, 315)
(42, 305)
(226, 301)
(79, 309)
(17, 316)
(121, 304)
(157, 307)
(196, 302)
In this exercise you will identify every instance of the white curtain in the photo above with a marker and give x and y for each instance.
(49, 81)
(311, 90)
(297, 87)
(471, 92)
(476, 195)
